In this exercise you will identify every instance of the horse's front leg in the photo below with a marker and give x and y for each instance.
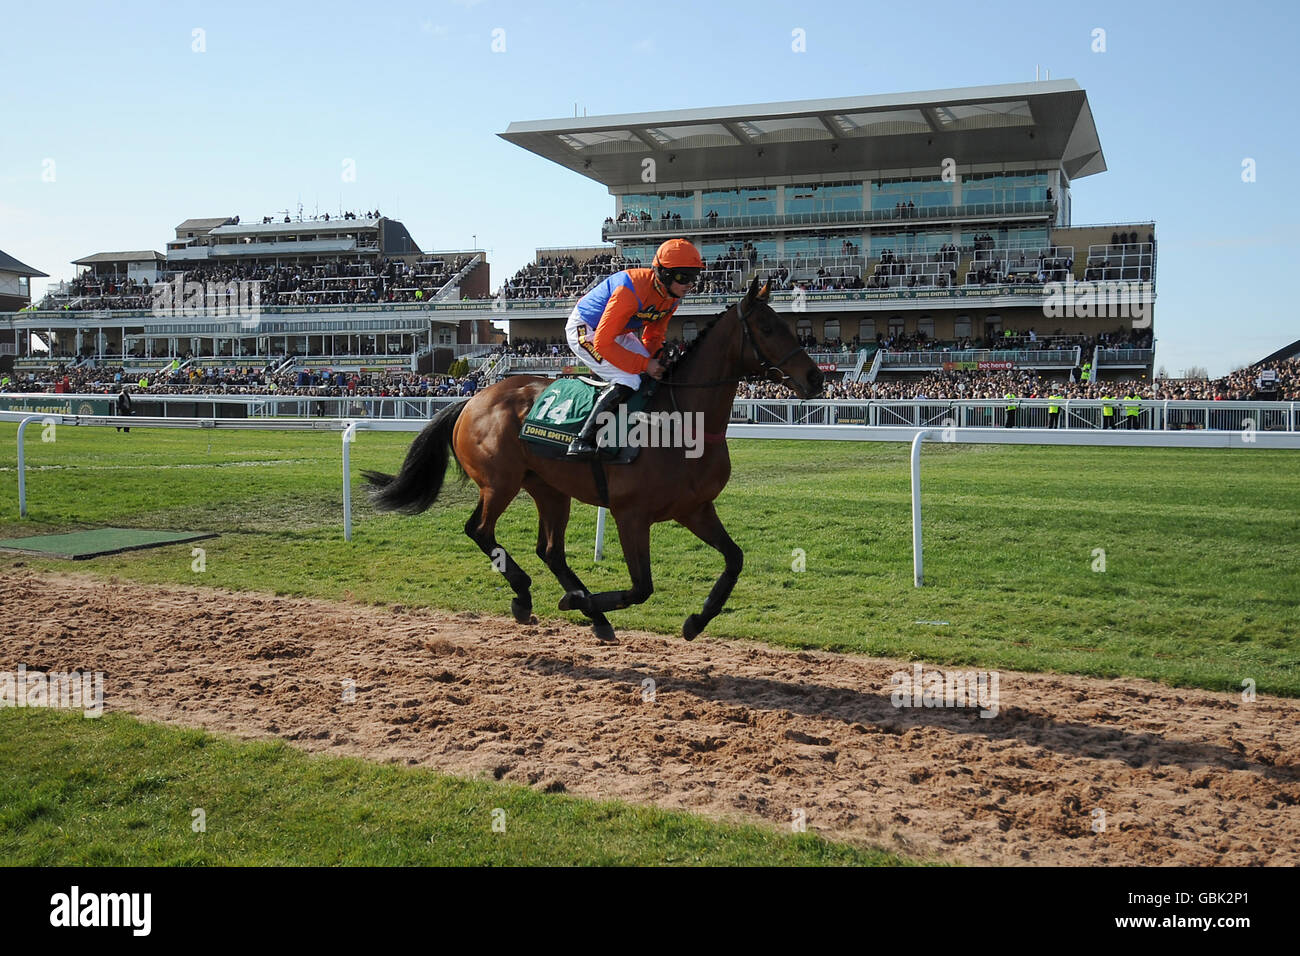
(705, 524)
(634, 533)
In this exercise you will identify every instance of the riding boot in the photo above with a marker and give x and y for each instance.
(584, 446)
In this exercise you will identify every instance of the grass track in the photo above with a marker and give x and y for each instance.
(1201, 547)
(118, 792)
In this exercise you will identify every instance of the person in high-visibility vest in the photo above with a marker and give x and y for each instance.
(1087, 372)
(1054, 411)
(1132, 409)
(4, 384)
(1108, 411)
(1011, 409)
(144, 381)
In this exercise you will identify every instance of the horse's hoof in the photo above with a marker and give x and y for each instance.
(604, 632)
(574, 601)
(522, 610)
(692, 627)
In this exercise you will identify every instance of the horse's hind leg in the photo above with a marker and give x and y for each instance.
(707, 526)
(481, 528)
(552, 520)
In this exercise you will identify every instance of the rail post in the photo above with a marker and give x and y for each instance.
(349, 436)
(600, 532)
(917, 561)
(22, 464)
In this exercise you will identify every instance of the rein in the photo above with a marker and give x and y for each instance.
(766, 365)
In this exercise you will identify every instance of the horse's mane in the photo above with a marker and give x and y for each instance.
(689, 349)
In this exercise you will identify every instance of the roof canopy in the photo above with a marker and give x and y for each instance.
(202, 225)
(11, 265)
(1042, 122)
(334, 224)
(144, 254)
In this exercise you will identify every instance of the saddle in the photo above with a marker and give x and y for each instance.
(560, 410)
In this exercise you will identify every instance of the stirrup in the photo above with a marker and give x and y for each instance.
(581, 448)
(585, 445)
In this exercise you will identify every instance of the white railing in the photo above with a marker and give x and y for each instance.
(491, 369)
(453, 284)
(348, 427)
(856, 374)
(1246, 417)
(1021, 357)
(837, 357)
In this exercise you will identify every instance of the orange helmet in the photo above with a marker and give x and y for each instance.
(677, 261)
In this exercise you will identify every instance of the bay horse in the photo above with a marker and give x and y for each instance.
(662, 484)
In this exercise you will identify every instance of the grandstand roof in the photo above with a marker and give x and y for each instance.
(1012, 122)
(120, 257)
(1281, 355)
(296, 226)
(202, 225)
(9, 264)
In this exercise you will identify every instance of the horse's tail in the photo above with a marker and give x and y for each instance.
(416, 486)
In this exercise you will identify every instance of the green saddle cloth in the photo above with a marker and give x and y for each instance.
(558, 414)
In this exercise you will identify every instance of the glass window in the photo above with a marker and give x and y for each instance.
(656, 204)
(750, 201)
(925, 326)
(1004, 187)
(733, 248)
(689, 331)
(830, 330)
(961, 327)
(895, 325)
(645, 253)
(803, 328)
(830, 245)
(910, 241)
(921, 193)
(866, 330)
(822, 198)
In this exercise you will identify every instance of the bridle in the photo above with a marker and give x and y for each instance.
(759, 357)
(767, 366)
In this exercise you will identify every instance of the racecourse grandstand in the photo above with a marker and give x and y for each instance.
(941, 220)
(906, 235)
(348, 292)
(15, 295)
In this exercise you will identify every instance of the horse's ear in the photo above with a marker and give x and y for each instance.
(764, 292)
(750, 296)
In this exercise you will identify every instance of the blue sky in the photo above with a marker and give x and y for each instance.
(144, 131)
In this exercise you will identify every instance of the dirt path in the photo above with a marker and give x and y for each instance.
(731, 730)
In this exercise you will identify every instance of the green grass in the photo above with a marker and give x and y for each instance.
(1202, 547)
(117, 792)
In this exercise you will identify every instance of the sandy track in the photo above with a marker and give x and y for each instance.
(734, 730)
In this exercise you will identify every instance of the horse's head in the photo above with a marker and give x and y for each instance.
(770, 348)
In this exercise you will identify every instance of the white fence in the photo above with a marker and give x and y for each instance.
(1076, 414)
(1244, 438)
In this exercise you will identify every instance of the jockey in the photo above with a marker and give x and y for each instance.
(617, 328)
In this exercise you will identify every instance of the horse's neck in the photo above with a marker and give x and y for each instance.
(716, 359)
